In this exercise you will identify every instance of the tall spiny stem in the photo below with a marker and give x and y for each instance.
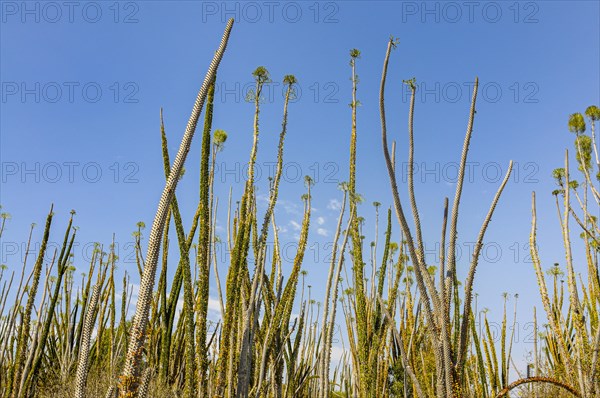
(131, 373)
(357, 255)
(426, 300)
(204, 246)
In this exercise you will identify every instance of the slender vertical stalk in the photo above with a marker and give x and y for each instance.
(26, 321)
(204, 247)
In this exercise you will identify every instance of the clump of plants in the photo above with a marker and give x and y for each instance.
(410, 326)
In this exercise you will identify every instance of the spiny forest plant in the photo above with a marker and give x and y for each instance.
(571, 342)
(447, 329)
(408, 330)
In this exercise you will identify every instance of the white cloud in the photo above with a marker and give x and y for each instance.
(320, 220)
(288, 206)
(262, 198)
(214, 309)
(322, 231)
(295, 225)
(282, 229)
(337, 353)
(334, 204)
(214, 305)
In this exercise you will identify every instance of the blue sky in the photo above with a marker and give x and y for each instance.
(82, 86)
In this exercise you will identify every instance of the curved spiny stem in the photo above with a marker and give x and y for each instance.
(547, 380)
(450, 275)
(464, 330)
